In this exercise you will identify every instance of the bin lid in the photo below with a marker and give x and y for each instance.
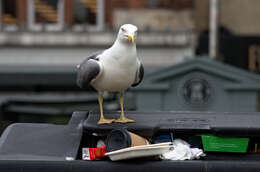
(241, 124)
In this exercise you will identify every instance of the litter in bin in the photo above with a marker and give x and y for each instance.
(140, 151)
(93, 153)
(121, 138)
(224, 144)
(182, 151)
(122, 144)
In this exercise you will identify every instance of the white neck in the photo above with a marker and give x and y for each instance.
(124, 46)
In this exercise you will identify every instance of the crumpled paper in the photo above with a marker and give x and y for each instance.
(182, 151)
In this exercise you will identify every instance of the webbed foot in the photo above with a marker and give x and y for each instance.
(124, 120)
(105, 121)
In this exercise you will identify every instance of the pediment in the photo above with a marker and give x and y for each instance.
(207, 66)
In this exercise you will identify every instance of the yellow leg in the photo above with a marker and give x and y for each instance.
(102, 119)
(122, 118)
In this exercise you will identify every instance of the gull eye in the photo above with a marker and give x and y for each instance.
(123, 29)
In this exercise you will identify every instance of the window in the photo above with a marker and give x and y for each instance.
(46, 15)
(9, 15)
(52, 15)
(88, 15)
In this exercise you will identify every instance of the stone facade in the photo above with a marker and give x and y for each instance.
(155, 19)
(239, 16)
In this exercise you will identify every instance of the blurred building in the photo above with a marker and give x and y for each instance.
(51, 32)
(163, 23)
(78, 15)
(239, 32)
(51, 15)
(238, 16)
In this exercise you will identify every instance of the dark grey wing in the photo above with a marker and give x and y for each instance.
(88, 70)
(139, 75)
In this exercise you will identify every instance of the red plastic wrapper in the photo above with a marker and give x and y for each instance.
(93, 153)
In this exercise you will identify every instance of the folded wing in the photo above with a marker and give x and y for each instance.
(88, 70)
(139, 74)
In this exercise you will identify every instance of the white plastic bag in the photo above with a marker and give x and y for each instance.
(182, 151)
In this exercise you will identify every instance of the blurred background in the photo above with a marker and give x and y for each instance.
(42, 41)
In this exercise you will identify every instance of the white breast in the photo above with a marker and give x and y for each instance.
(118, 73)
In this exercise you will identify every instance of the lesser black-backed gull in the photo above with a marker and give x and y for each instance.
(114, 70)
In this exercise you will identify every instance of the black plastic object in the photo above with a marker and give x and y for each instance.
(184, 122)
(131, 166)
(118, 139)
(233, 124)
(24, 141)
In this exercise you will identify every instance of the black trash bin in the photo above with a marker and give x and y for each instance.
(150, 124)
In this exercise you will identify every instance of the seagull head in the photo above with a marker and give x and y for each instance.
(127, 33)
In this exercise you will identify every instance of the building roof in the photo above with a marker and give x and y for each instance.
(242, 79)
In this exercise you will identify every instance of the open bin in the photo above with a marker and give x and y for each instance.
(83, 131)
(224, 136)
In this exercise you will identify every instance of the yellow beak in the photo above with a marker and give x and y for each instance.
(131, 38)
